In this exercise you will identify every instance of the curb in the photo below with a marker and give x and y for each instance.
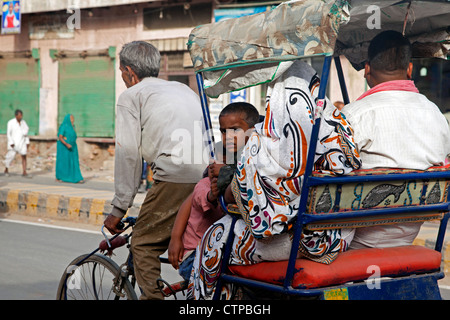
(75, 209)
(445, 262)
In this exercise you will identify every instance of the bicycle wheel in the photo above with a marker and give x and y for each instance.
(96, 278)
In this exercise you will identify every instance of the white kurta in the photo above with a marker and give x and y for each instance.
(396, 129)
(160, 121)
(17, 135)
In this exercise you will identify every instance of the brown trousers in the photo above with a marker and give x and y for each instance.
(151, 234)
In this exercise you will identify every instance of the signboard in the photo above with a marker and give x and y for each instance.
(238, 96)
(228, 13)
(11, 17)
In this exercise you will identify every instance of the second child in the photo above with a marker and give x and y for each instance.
(201, 209)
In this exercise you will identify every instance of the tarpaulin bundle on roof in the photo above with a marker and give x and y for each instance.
(246, 51)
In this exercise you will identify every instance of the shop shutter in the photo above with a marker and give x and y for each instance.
(87, 90)
(19, 89)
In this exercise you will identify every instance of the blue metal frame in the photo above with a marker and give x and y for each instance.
(225, 258)
(308, 171)
(356, 290)
(206, 115)
(413, 287)
(340, 73)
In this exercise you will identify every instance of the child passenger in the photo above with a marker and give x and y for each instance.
(201, 209)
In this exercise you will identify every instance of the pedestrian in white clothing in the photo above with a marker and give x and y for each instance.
(18, 141)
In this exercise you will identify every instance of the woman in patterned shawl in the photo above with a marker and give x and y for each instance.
(267, 184)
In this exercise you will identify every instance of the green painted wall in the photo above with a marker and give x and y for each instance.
(87, 90)
(19, 89)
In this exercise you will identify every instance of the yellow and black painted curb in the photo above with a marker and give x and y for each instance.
(53, 206)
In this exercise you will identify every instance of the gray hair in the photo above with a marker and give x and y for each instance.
(142, 57)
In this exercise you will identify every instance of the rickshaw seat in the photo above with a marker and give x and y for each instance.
(352, 265)
(356, 197)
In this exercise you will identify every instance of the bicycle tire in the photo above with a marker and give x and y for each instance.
(93, 279)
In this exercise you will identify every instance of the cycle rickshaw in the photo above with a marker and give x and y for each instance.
(244, 52)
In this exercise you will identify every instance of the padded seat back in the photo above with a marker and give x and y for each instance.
(364, 195)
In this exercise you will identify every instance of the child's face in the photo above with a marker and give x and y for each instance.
(233, 128)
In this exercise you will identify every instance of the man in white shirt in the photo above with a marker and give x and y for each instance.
(18, 141)
(395, 127)
(160, 121)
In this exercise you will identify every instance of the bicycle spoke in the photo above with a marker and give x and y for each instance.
(100, 284)
(94, 279)
(86, 281)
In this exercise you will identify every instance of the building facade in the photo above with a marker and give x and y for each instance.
(65, 60)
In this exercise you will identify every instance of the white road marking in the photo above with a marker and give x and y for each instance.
(50, 226)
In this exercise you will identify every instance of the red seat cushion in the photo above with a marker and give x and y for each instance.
(351, 265)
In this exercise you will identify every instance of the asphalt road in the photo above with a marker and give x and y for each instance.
(33, 258)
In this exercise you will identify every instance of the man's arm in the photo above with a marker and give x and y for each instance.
(127, 165)
(205, 198)
(25, 130)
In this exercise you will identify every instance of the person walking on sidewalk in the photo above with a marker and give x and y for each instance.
(67, 162)
(18, 141)
(160, 121)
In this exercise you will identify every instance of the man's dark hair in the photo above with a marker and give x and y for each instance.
(251, 114)
(142, 57)
(17, 112)
(389, 51)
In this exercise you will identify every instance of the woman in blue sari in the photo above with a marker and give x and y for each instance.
(67, 163)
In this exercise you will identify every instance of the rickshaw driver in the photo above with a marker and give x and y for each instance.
(395, 127)
(149, 112)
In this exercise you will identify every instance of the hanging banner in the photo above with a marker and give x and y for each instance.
(11, 17)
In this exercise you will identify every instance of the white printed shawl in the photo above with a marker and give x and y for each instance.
(267, 184)
(270, 173)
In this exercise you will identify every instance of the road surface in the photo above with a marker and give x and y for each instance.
(33, 257)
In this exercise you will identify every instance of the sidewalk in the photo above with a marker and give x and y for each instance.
(43, 196)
